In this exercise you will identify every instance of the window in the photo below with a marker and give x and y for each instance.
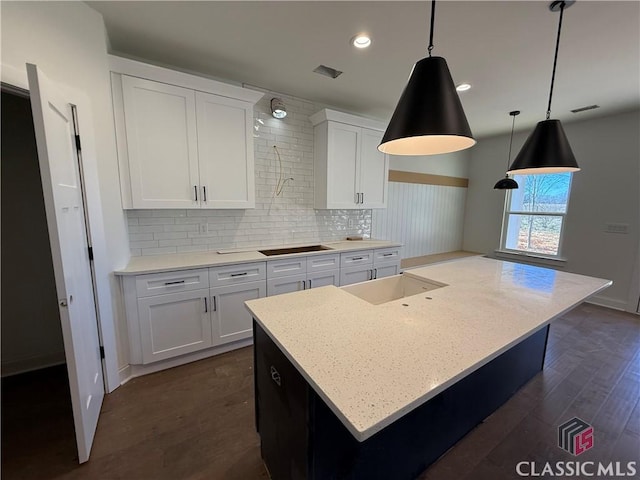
(535, 213)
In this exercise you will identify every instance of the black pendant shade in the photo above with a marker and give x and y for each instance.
(429, 118)
(506, 183)
(547, 150)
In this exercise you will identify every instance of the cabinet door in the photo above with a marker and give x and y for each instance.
(230, 318)
(351, 275)
(161, 142)
(343, 152)
(323, 278)
(293, 283)
(373, 170)
(225, 152)
(386, 270)
(174, 324)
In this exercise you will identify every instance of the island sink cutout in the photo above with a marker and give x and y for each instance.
(389, 289)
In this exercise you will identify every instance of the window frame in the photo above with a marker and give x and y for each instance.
(505, 225)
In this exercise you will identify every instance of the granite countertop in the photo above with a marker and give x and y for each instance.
(372, 364)
(180, 261)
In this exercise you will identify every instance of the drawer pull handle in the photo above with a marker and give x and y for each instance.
(206, 307)
(215, 304)
(204, 193)
(387, 254)
(195, 191)
(238, 274)
(177, 282)
(275, 376)
(357, 258)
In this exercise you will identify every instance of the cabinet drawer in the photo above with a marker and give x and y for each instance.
(286, 267)
(352, 259)
(386, 255)
(234, 274)
(171, 282)
(323, 262)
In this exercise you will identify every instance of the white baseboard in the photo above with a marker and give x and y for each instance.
(29, 364)
(608, 302)
(132, 371)
(125, 374)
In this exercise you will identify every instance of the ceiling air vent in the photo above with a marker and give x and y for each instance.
(584, 109)
(327, 71)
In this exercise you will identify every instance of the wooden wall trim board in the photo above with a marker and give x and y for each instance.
(427, 179)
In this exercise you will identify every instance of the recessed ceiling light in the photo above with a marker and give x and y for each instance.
(463, 87)
(361, 40)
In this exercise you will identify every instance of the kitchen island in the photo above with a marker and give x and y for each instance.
(346, 388)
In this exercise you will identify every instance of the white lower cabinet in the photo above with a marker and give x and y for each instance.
(230, 319)
(357, 274)
(323, 278)
(384, 270)
(291, 283)
(295, 274)
(184, 311)
(174, 324)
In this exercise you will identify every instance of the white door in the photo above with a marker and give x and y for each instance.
(292, 283)
(55, 137)
(230, 318)
(351, 275)
(174, 324)
(160, 121)
(323, 278)
(225, 152)
(344, 150)
(386, 270)
(374, 170)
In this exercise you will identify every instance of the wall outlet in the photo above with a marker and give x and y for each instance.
(351, 223)
(617, 228)
(204, 228)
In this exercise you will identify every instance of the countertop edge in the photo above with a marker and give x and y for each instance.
(358, 245)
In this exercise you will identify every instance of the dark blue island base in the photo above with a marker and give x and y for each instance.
(301, 438)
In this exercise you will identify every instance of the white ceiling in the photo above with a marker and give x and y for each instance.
(504, 49)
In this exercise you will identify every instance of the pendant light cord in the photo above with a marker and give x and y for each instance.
(513, 123)
(555, 60)
(433, 16)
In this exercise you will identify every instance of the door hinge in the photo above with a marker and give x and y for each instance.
(101, 352)
(91, 253)
(78, 146)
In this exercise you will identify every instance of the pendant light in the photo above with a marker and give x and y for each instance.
(547, 149)
(429, 118)
(507, 183)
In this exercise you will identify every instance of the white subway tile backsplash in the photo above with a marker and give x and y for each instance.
(276, 220)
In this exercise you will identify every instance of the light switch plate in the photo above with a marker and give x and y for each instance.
(617, 228)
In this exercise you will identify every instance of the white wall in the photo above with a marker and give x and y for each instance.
(426, 219)
(454, 164)
(284, 219)
(68, 41)
(606, 190)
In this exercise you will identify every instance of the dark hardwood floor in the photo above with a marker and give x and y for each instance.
(196, 421)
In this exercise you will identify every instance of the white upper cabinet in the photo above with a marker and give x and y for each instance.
(225, 150)
(161, 133)
(183, 141)
(349, 171)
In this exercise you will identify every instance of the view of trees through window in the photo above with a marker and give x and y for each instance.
(535, 213)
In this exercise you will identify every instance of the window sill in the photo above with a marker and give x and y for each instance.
(531, 258)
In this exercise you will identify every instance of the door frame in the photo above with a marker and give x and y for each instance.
(108, 303)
